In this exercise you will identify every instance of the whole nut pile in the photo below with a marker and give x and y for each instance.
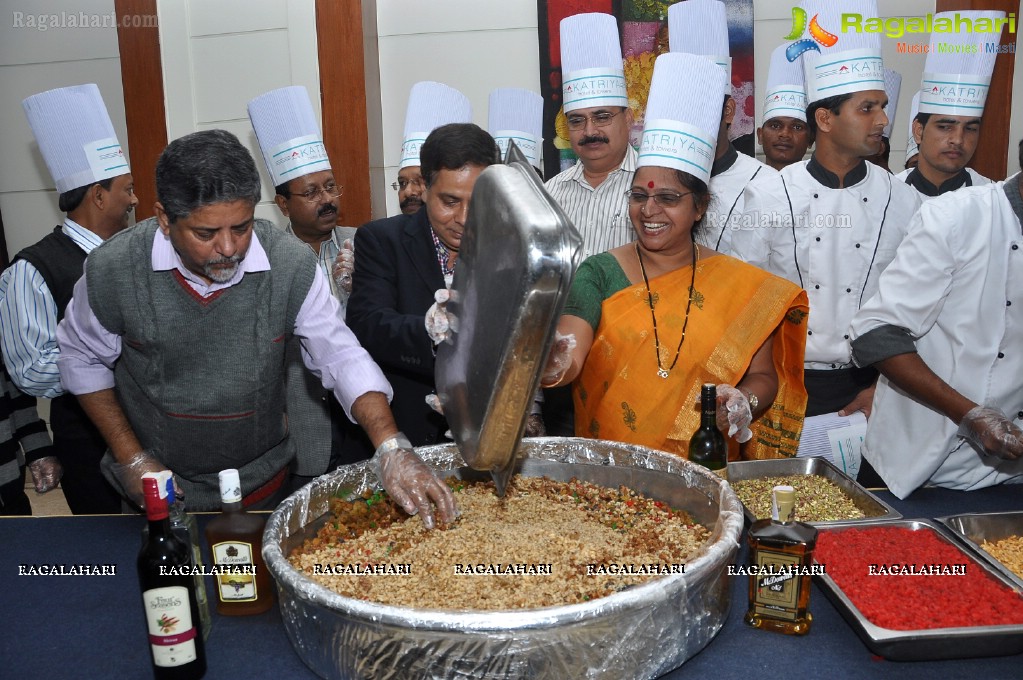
(817, 499)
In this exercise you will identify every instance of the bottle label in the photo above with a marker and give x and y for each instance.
(239, 587)
(778, 582)
(169, 619)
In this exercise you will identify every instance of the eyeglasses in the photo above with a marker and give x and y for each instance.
(402, 184)
(313, 195)
(665, 199)
(599, 119)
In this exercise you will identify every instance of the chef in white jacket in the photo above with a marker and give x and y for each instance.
(837, 222)
(700, 27)
(952, 95)
(946, 331)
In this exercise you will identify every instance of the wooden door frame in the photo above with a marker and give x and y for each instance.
(342, 100)
(992, 155)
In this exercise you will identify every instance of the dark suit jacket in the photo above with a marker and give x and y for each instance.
(396, 275)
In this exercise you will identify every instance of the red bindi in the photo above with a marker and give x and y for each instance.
(650, 185)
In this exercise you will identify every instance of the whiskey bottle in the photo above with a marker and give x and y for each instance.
(707, 446)
(168, 596)
(780, 556)
(236, 543)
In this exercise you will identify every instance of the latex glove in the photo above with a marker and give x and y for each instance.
(559, 359)
(440, 324)
(991, 430)
(433, 401)
(46, 473)
(411, 483)
(735, 406)
(344, 265)
(129, 474)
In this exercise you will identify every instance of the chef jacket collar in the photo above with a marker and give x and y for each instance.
(917, 180)
(830, 179)
(725, 162)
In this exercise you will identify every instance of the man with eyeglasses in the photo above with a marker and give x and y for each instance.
(592, 192)
(307, 193)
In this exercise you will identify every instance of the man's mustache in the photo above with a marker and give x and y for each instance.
(329, 209)
(413, 201)
(590, 139)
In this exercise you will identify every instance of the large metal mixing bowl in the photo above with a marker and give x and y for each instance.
(642, 632)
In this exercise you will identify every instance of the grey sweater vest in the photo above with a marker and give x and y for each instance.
(202, 380)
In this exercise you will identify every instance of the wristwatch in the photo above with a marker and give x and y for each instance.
(753, 400)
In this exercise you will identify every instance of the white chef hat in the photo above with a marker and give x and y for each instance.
(288, 134)
(892, 88)
(681, 130)
(701, 27)
(956, 74)
(912, 148)
(593, 73)
(75, 136)
(430, 105)
(837, 62)
(786, 95)
(517, 114)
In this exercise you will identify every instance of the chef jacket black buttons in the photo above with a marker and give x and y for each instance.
(1015, 246)
(818, 238)
(857, 245)
(1001, 355)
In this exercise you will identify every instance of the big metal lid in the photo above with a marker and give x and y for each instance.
(515, 264)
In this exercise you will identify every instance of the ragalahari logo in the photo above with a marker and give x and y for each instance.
(818, 36)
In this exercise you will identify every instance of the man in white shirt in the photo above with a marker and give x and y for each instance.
(946, 331)
(592, 192)
(839, 220)
(97, 193)
(952, 96)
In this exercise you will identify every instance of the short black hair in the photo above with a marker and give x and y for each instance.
(283, 190)
(922, 118)
(833, 104)
(204, 168)
(70, 200)
(454, 146)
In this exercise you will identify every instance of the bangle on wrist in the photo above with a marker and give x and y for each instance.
(754, 401)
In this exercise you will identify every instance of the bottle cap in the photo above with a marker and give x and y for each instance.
(230, 486)
(783, 503)
(156, 507)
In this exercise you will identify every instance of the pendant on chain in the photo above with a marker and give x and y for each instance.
(662, 372)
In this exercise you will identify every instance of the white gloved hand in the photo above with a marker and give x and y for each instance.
(46, 473)
(735, 406)
(344, 266)
(991, 430)
(440, 324)
(559, 359)
(411, 483)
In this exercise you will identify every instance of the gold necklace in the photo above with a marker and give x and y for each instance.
(661, 371)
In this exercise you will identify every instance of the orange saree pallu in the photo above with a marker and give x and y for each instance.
(736, 307)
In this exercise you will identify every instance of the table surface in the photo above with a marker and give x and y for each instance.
(91, 626)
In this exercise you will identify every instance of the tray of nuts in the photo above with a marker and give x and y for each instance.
(994, 537)
(824, 494)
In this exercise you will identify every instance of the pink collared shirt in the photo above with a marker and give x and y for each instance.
(330, 350)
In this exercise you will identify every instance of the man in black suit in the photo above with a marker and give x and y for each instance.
(403, 260)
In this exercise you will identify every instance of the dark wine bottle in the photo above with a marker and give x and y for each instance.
(236, 542)
(168, 595)
(707, 446)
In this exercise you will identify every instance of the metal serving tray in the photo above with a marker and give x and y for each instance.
(515, 266)
(873, 507)
(928, 644)
(975, 528)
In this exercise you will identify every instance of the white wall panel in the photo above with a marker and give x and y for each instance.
(21, 43)
(229, 70)
(214, 17)
(407, 17)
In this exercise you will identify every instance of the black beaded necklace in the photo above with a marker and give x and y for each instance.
(661, 371)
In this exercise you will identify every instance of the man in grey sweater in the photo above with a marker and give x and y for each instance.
(175, 342)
